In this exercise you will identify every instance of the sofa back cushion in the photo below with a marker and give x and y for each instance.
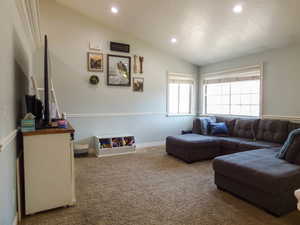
(293, 153)
(245, 128)
(272, 130)
(293, 126)
(229, 121)
(201, 125)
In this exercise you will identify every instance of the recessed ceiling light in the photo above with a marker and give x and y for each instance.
(173, 40)
(114, 10)
(237, 9)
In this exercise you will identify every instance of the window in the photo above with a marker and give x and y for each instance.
(236, 93)
(180, 94)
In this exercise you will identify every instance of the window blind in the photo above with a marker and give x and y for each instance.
(253, 73)
(173, 79)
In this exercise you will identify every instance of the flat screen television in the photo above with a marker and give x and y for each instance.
(47, 118)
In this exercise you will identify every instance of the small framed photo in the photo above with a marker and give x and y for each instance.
(138, 84)
(118, 70)
(95, 62)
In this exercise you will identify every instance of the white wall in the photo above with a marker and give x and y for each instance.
(69, 34)
(15, 58)
(281, 78)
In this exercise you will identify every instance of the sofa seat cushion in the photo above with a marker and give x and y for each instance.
(272, 130)
(265, 144)
(259, 169)
(235, 144)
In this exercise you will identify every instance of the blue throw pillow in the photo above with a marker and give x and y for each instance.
(218, 128)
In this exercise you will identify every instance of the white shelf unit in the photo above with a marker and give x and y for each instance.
(110, 145)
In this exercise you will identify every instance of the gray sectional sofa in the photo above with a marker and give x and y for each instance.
(245, 161)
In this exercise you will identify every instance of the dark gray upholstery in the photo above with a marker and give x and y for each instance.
(293, 126)
(293, 153)
(192, 147)
(256, 175)
(262, 169)
(262, 173)
(234, 144)
(196, 126)
(242, 133)
(272, 130)
(245, 128)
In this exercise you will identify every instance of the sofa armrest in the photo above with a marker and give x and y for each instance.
(186, 132)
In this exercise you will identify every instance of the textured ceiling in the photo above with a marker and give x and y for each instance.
(207, 30)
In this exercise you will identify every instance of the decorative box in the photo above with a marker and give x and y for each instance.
(27, 125)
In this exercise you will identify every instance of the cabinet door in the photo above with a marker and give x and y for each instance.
(72, 173)
(48, 175)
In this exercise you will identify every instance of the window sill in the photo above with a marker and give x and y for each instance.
(180, 115)
(231, 115)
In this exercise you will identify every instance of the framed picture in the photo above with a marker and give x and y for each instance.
(138, 84)
(118, 70)
(95, 62)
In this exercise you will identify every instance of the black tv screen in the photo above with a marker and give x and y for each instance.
(46, 85)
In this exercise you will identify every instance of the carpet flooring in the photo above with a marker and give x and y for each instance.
(152, 188)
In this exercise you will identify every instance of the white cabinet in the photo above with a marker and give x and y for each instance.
(48, 170)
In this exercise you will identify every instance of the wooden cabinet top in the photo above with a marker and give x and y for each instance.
(69, 129)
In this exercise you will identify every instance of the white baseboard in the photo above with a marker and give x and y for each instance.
(150, 144)
(15, 221)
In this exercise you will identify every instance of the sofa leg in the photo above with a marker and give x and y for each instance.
(221, 189)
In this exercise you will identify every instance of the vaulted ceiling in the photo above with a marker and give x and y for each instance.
(207, 31)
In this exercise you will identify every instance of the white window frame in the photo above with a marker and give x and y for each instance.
(233, 73)
(182, 76)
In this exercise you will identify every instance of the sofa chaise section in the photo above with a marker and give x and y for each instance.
(192, 147)
(259, 177)
(195, 147)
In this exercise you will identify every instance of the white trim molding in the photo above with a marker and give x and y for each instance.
(30, 15)
(150, 144)
(87, 115)
(15, 221)
(278, 117)
(4, 142)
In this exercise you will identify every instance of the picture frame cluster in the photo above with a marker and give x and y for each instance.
(118, 67)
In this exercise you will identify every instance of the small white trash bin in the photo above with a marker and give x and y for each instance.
(81, 149)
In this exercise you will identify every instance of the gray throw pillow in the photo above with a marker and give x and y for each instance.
(205, 121)
(288, 143)
(201, 125)
(293, 153)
